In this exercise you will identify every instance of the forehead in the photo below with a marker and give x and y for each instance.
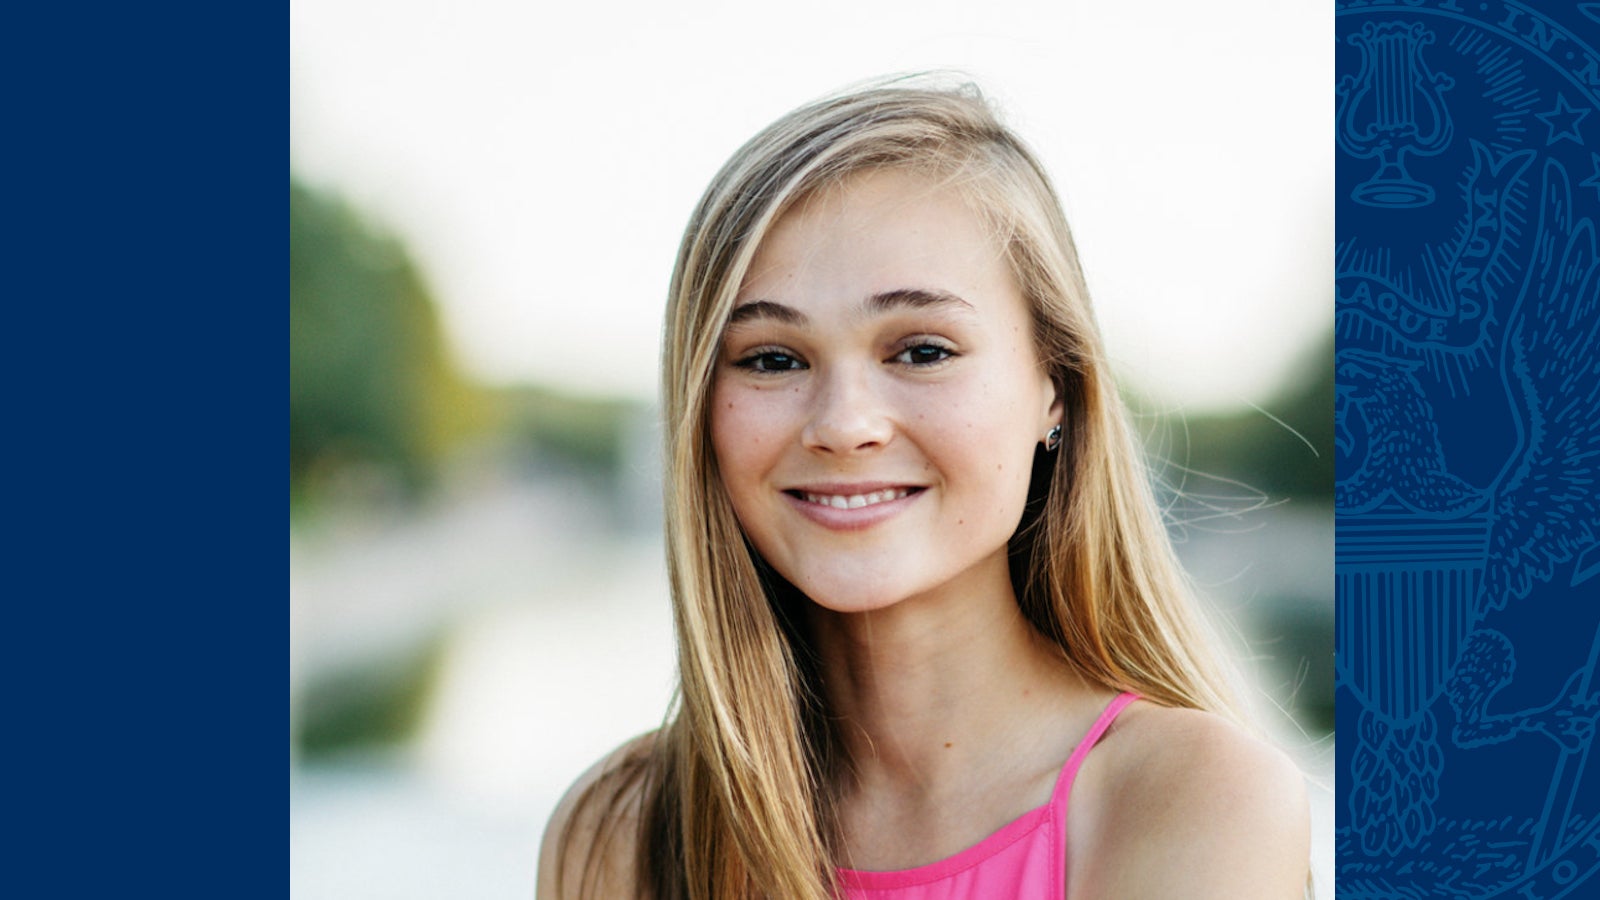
(878, 231)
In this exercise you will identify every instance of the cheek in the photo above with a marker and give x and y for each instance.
(994, 444)
(997, 411)
(744, 435)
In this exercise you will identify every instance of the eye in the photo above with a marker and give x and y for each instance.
(770, 360)
(924, 353)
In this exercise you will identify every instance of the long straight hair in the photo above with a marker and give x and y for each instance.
(735, 789)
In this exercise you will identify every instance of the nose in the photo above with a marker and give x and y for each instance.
(847, 415)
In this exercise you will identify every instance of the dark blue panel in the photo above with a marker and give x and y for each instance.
(1468, 556)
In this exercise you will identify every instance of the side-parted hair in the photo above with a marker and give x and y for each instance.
(734, 792)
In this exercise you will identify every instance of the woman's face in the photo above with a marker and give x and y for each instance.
(878, 396)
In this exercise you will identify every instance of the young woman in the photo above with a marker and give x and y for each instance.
(932, 638)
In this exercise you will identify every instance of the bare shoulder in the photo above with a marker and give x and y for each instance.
(1187, 804)
(591, 841)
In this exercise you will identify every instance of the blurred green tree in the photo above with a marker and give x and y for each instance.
(371, 386)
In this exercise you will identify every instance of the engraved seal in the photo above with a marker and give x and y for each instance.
(1468, 318)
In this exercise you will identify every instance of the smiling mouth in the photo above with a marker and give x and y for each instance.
(854, 501)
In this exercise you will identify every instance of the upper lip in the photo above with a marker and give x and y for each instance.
(851, 489)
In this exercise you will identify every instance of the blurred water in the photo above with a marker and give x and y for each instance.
(377, 828)
(557, 646)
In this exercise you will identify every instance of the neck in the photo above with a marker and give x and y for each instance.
(925, 689)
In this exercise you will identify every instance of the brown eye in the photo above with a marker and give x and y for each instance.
(770, 361)
(924, 354)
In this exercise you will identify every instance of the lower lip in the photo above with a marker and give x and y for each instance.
(851, 519)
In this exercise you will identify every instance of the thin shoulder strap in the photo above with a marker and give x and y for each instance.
(1070, 770)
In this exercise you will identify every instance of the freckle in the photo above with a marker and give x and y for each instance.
(961, 521)
(948, 745)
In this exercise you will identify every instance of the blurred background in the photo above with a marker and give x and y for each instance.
(485, 200)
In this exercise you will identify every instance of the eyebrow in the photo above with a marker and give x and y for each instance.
(766, 309)
(877, 304)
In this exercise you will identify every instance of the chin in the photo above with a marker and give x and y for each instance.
(855, 602)
(855, 596)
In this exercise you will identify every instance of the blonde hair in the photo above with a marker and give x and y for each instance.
(735, 788)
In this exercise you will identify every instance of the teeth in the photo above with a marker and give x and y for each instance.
(856, 501)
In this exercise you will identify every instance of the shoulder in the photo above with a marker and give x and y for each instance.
(591, 841)
(1187, 804)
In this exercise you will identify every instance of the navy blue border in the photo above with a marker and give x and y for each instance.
(1468, 368)
(144, 614)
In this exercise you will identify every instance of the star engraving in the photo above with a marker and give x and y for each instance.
(1562, 121)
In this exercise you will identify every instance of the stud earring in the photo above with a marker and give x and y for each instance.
(1053, 439)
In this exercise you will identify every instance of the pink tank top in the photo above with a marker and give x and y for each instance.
(1024, 860)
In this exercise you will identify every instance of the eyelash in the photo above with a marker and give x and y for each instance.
(754, 360)
(760, 360)
(945, 353)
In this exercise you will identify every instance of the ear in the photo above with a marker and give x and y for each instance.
(1054, 412)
